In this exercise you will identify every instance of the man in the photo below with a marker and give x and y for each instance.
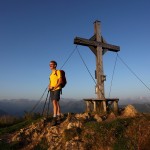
(55, 90)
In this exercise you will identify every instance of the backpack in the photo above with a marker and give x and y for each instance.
(64, 81)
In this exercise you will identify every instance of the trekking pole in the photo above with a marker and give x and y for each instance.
(45, 102)
(48, 106)
(38, 101)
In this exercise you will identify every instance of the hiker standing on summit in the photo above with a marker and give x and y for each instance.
(55, 90)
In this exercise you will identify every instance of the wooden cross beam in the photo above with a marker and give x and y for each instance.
(88, 42)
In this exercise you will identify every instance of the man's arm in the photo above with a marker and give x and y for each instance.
(50, 87)
(58, 83)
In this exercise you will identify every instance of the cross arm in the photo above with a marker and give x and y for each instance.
(86, 42)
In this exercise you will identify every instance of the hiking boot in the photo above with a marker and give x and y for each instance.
(58, 119)
(54, 121)
(44, 122)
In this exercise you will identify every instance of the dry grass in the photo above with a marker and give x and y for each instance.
(139, 133)
(7, 120)
(122, 133)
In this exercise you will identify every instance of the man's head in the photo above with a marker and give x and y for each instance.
(53, 64)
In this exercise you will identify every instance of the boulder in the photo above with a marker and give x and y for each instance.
(129, 111)
(98, 118)
(83, 116)
(77, 124)
(111, 116)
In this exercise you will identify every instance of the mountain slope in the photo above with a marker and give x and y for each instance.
(86, 131)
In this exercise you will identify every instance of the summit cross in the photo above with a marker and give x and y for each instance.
(99, 47)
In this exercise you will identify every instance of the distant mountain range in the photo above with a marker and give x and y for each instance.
(2, 113)
(18, 107)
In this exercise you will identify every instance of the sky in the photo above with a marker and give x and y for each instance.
(33, 32)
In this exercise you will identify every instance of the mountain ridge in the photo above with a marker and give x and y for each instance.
(18, 107)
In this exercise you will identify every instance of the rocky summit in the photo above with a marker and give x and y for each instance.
(86, 131)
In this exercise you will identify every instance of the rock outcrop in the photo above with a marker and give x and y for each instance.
(75, 132)
(129, 111)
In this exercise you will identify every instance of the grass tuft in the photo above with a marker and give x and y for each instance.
(70, 134)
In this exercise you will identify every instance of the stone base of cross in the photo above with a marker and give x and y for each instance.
(99, 47)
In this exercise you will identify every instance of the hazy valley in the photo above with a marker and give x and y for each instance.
(18, 107)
